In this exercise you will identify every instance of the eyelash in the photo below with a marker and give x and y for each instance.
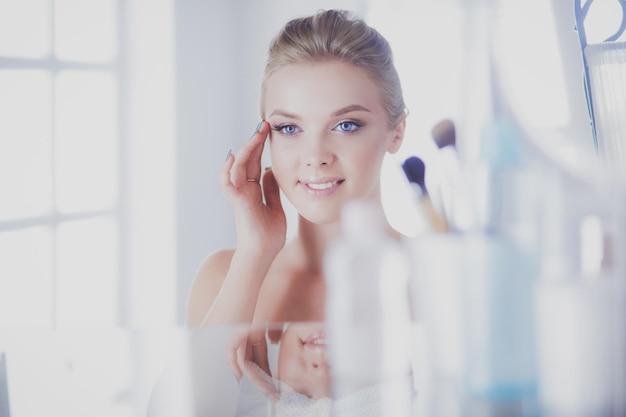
(280, 129)
(355, 127)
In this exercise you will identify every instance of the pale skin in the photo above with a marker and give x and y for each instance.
(302, 363)
(328, 132)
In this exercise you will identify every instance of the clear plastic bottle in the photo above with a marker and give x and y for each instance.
(368, 313)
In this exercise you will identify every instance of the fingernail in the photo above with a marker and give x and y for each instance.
(258, 127)
(230, 152)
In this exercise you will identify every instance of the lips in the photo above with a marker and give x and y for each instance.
(317, 339)
(321, 187)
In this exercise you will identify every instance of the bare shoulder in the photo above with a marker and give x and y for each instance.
(276, 287)
(207, 283)
(290, 291)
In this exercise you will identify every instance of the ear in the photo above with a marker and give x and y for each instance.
(398, 136)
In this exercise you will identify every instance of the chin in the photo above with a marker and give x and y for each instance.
(321, 216)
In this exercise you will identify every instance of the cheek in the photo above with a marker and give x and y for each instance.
(367, 158)
(279, 161)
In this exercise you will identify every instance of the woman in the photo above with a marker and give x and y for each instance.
(331, 108)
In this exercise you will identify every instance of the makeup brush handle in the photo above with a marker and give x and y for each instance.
(438, 223)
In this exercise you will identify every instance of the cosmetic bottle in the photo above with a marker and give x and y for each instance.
(368, 313)
(502, 268)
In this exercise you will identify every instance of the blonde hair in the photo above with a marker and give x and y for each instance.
(339, 35)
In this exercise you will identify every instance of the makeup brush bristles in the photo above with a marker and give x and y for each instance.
(444, 133)
(415, 171)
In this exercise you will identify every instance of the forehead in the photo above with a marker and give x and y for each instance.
(319, 88)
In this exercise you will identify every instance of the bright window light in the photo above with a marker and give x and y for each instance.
(25, 28)
(151, 181)
(25, 151)
(530, 62)
(26, 277)
(87, 273)
(85, 31)
(86, 141)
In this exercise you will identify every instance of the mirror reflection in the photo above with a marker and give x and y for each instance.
(277, 370)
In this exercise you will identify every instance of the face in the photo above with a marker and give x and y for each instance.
(329, 135)
(302, 362)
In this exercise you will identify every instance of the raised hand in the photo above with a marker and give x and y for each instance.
(255, 197)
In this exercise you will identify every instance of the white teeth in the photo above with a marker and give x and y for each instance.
(323, 186)
(319, 342)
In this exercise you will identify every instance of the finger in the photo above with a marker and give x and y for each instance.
(248, 159)
(236, 342)
(241, 354)
(256, 337)
(271, 191)
(261, 379)
(259, 356)
(224, 179)
(231, 358)
(258, 138)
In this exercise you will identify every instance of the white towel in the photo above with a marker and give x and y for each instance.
(295, 404)
(394, 398)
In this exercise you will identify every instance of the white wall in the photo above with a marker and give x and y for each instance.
(150, 110)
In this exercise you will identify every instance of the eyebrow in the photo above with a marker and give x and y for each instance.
(286, 114)
(351, 108)
(341, 111)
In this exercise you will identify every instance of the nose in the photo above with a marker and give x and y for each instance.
(318, 153)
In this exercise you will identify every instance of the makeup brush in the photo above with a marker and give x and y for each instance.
(457, 206)
(444, 134)
(415, 171)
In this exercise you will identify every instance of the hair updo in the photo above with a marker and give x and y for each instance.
(339, 35)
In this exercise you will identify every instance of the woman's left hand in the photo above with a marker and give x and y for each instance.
(247, 355)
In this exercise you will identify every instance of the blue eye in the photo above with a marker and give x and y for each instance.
(287, 130)
(348, 127)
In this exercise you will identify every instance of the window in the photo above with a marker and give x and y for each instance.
(62, 218)
(87, 201)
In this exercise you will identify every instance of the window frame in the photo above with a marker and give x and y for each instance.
(119, 212)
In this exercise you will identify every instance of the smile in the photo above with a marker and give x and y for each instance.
(316, 340)
(324, 186)
(321, 187)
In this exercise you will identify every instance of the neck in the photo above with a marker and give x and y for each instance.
(314, 240)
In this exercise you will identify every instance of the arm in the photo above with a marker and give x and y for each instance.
(246, 349)
(228, 283)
